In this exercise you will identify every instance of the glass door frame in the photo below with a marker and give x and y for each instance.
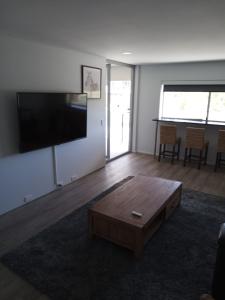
(108, 100)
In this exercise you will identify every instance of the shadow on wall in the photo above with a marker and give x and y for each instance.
(9, 129)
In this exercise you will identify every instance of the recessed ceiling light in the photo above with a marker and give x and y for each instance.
(127, 53)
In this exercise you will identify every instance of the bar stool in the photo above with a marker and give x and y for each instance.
(195, 139)
(168, 136)
(220, 148)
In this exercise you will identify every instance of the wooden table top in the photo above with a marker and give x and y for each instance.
(143, 194)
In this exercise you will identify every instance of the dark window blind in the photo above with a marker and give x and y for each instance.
(194, 88)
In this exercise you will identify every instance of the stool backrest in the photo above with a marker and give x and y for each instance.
(221, 141)
(168, 134)
(195, 137)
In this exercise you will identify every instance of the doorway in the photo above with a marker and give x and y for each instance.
(119, 109)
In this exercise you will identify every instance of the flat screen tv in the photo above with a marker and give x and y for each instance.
(47, 119)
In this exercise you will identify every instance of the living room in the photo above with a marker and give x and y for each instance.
(31, 62)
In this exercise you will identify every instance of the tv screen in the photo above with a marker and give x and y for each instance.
(47, 119)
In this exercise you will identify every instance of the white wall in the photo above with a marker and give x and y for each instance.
(31, 66)
(151, 77)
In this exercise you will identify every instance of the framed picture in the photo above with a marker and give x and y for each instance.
(91, 82)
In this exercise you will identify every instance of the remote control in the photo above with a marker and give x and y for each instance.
(137, 214)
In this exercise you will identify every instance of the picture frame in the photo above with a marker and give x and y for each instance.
(91, 81)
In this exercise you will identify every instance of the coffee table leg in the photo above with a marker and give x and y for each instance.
(139, 244)
(90, 225)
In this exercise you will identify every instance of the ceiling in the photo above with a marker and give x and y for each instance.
(154, 31)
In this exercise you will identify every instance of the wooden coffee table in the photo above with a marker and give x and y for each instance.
(153, 198)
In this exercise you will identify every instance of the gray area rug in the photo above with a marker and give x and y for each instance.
(177, 264)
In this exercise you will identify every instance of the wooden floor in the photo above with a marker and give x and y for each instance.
(24, 222)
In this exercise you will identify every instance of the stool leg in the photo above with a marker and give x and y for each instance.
(185, 156)
(216, 164)
(200, 160)
(178, 151)
(173, 154)
(219, 159)
(164, 150)
(206, 154)
(160, 152)
(190, 154)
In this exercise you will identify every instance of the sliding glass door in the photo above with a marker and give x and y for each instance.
(119, 109)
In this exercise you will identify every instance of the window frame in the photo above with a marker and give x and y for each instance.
(204, 86)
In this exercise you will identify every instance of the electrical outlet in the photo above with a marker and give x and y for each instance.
(74, 177)
(27, 198)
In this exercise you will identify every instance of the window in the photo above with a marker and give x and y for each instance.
(185, 105)
(217, 107)
(194, 102)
